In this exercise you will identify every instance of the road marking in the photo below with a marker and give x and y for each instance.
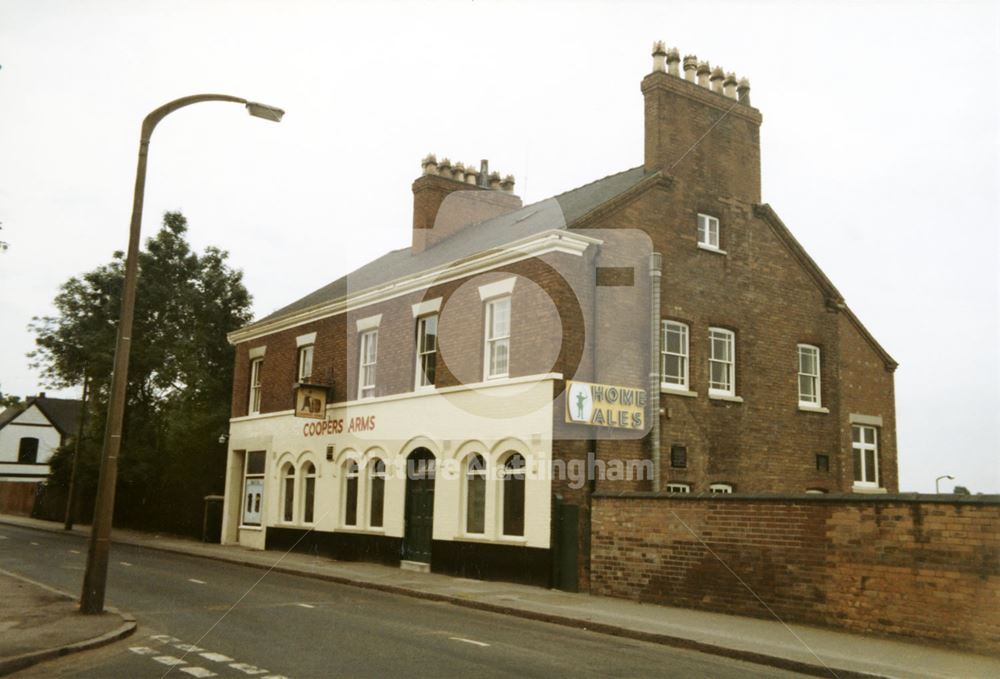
(74, 551)
(35, 544)
(198, 672)
(165, 638)
(216, 657)
(247, 669)
(306, 605)
(124, 563)
(143, 650)
(469, 641)
(188, 648)
(3, 537)
(169, 660)
(196, 581)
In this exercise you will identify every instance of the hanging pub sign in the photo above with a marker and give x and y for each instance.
(605, 405)
(310, 401)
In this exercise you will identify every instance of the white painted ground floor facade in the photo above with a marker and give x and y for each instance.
(346, 476)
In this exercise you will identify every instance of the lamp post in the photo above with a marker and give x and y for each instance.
(937, 482)
(96, 575)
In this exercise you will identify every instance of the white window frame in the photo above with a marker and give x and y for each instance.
(730, 337)
(679, 488)
(467, 476)
(859, 450)
(352, 472)
(720, 488)
(256, 364)
(494, 339)
(373, 474)
(420, 381)
(288, 474)
(666, 328)
(817, 399)
(257, 479)
(708, 231)
(305, 361)
(305, 477)
(367, 361)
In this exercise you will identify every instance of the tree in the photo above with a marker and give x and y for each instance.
(180, 373)
(9, 401)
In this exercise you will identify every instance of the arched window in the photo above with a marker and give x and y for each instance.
(513, 495)
(376, 492)
(309, 492)
(351, 494)
(475, 495)
(288, 492)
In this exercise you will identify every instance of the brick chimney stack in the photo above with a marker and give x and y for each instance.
(448, 198)
(700, 127)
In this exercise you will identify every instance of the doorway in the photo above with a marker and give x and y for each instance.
(419, 512)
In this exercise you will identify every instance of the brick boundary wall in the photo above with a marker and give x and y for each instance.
(919, 566)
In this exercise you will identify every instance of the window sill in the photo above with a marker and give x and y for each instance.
(870, 490)
(476, 537)
(670, 389)
(255, 529)
(725, 397)
(709, 248)
(813, 409)
(513, 539)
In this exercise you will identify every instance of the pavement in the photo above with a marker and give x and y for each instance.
(802, 648)
(40, 623)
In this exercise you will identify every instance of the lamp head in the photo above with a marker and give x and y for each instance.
(264, 111)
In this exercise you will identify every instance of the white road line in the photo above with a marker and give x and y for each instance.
(143, 650)
(196, 581)
(74, 551)
(3, 537)
(469, 641)
(124, 563)
(306, 605)
(169, 660)
(275, 676)
(165, 639)
(247, 669)
(198, 672)
(189, 648)
(34, 543)
(216, 657)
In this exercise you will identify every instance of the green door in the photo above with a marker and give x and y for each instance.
(419, 506)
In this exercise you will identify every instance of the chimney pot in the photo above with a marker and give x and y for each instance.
(470, 174)
(458, 172)
(743, 91)
(494, 180)
(429, 164)
(729, 85)
(673, 61)
(508, 184)
(690, 66)
(704, 69)
(717, 77)
(659, 56)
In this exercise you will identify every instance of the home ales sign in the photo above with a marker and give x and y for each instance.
(605, 405)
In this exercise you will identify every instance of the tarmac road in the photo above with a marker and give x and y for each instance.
(202, 618)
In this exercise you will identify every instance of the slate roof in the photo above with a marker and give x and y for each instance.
(63, 413)
(553, 213)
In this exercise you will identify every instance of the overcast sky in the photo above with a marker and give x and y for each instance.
(880, 151)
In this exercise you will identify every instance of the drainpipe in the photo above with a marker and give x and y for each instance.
(653, 397)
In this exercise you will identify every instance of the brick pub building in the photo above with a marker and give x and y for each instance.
(659, 328)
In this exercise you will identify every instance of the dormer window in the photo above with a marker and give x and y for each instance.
(708, 232)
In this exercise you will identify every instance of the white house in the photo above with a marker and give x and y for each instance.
(30, 434)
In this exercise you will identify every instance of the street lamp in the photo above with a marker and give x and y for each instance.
(937, 482)
(96, 576)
